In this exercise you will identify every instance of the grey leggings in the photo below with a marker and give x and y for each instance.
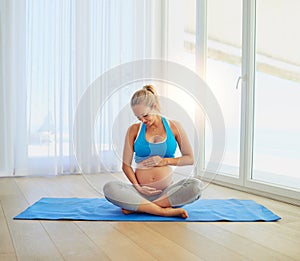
(125, 195)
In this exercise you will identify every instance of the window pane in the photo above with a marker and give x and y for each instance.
(222, 71)
(277, 93)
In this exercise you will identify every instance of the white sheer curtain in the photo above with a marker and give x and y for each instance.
(50, 52)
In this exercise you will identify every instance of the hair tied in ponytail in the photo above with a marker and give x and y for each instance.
(150, 88)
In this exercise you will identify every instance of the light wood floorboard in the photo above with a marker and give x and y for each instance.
(84, 240)
(30, 240)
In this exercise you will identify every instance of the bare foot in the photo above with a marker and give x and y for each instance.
(171, 212)
(126, 211)
(168, 212)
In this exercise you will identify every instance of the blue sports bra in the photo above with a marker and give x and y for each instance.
(144, 149)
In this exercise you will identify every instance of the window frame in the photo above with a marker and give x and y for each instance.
(244, 181)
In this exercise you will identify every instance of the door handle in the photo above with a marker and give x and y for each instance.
(238, 81)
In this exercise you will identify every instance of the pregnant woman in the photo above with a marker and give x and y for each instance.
(152, 143)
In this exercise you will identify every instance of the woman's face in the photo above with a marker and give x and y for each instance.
(144, 113)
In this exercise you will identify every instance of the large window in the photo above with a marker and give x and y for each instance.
(50, 54)
(223, 69)
(252, 66)
(276, 152)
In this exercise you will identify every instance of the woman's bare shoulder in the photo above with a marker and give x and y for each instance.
(133, 130)
(175, 126)
(134, 127)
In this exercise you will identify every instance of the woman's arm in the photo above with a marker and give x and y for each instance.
(128, 154)
(187, 155)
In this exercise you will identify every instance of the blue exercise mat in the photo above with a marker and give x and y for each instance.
(99, 209)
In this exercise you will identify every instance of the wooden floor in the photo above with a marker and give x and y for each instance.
(81, 240)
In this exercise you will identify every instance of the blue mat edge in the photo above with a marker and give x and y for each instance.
(140, 217)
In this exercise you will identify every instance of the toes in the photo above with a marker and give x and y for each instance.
(126, 212)
(185, 214)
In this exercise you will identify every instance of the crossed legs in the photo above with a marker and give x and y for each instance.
(130, 200)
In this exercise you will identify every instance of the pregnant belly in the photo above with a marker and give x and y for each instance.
(157, 177)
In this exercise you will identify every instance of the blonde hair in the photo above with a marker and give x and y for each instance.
(147, 96)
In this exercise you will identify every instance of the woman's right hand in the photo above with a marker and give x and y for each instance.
(148, 191)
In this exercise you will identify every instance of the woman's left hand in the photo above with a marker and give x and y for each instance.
(154, 161)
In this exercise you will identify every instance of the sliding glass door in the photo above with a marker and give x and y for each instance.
(252, 66)
(276, 143)
(223, 69)
(248, 54)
